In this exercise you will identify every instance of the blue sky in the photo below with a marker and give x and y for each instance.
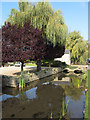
(75, 14)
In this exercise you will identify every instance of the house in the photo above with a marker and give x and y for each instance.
(65, 58)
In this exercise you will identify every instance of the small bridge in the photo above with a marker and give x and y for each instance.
(83, 67)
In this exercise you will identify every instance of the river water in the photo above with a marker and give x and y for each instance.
(59, 96)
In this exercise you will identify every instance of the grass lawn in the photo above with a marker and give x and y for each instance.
(87, 102)
(88, 94)
(72, 67)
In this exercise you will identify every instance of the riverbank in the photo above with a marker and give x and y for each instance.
(29, 76)
(11, 75)
(87, 100)
(88, 94)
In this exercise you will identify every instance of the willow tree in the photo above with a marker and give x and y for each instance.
(56, 30)
(73, 38)
(42, 16)
(77, 46)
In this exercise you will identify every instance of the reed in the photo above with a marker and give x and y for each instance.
(22, 80)
(51, 115)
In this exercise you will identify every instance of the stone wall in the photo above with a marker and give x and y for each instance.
(9, 81)
(12, 81)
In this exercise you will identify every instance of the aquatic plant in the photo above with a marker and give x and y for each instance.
(63, 107)
(85, 76)
(22, 80)
(60, 117)
(51, 115)
(67, 104)
(30, 75)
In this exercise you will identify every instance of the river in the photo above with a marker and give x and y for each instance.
(60, 96)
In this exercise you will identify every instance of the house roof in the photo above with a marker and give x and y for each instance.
(67, 51)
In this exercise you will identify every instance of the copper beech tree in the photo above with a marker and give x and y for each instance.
(20, 43)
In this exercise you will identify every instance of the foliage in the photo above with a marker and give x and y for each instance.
(78, 48)
(53, 63)
(86, 106)
(22, 81)
(41, 16)
(56, 30)
(29, 64)
(21, 43)
(86, 76)
(54, 52)
(72, 67)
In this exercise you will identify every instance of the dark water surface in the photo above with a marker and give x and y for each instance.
(59, 96)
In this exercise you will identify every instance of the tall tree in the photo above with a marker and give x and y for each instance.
(77, 46)
(42, 16)
(22, 43)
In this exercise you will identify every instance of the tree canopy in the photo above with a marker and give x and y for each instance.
(42, 16)
(78, 47)
(22, 43)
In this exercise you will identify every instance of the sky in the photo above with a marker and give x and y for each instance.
(75, 14)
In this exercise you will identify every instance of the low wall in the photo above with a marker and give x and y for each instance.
(9, 81)
(12, 81)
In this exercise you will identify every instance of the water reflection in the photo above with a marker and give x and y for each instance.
(58, 80)
(23, 95)
(56, 98)
(75, 108)
(31, 94)
(4, 97)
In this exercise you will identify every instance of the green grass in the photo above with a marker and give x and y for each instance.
(29, 64)
(72, 67)
(87, 101)
(88, 94)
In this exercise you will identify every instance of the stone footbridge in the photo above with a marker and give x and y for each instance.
(83, 67)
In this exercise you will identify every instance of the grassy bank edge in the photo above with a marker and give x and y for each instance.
(87, 100)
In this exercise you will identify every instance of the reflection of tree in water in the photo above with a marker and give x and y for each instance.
(22, 96)
(76, 81)
(60, 76)
(73, 90)
(52, 100)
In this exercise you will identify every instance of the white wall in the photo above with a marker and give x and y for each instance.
(65, 58)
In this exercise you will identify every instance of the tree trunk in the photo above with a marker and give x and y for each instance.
(49, 64)
(22, 66)
(38, 65)
(3, 64)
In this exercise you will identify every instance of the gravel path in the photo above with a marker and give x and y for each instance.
(13, 71)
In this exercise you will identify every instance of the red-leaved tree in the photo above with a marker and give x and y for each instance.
(22, 43)
(54, 52)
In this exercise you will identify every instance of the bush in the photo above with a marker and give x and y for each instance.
(58, 64)
(45, 63)
(53, 63)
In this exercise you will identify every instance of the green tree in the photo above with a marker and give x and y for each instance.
(56, 30)
(78, 47)
(42, 16)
